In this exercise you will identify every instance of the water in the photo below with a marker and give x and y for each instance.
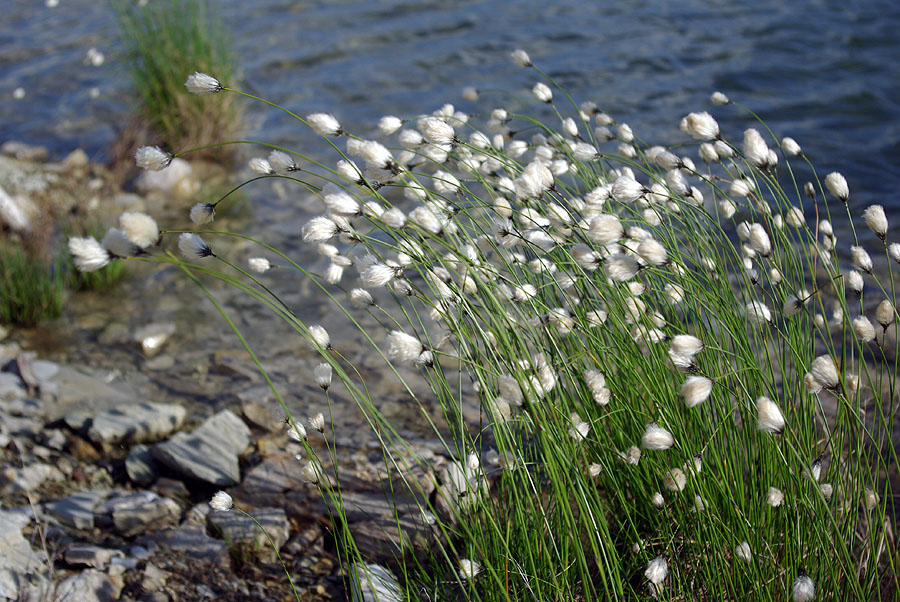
(824, 73)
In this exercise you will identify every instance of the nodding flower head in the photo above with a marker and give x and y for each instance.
(542, 92)
(324, 124)
(261, 166)
(322, 374)
(769, 417)
(139, 228)
(282, 162)
(803, 589)
(202, 84)
(521, 58)
(876, 220)
(203, 213)
(701, 126)
(152, 158)
(193, 247)
(719, 98)
(89, 255)
(221, 501)
(656, 437)
(837, 185)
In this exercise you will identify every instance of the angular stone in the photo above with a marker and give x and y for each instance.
(92, 556)
(191, 539)
(28, 478)
(135, 423)
(243, 532)
(77, 510)
(11, 386)
(138, 512)
(87, 586)
(140, 465)
(17, 559)
(210, 453)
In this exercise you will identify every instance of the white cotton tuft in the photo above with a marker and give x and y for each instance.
(139, 228)
(824, 371)
(803, 589)
(774, 497)
(261, 166)
(701, 126)
(203, 213)
(656, 437)
(696, 390)
(88, 254)
(755, 149)
(221, 501)
(542, 92)
(389, 124)
(861, 259)
(719, 99)
(152, 158)
(260, 265)
(320, 336)
(282, 162)
(790, 146)
(742, 552)
(193, 247)
(324, 124)
(769, 417)
(319, 229)
(837, 184)
(202, 84)
(863, 329)
(876, 220)
(620, 267)
(521, 58)
(657, 570)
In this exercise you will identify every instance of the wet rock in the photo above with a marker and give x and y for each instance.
(152, 337)
(135, 513)
(192, 540)
(136, 423)
(210, 453)
(77, 510)
(87, 586)
(91, 556)
(242, 532)
(257, 414)
(140, 465)
(28, 478)
(373, 583)
(24, 152)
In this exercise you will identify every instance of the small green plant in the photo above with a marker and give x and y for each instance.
(165, 41)
(685, 381)
(31, 288)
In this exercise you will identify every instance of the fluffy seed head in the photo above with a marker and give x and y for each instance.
(468, 569)
(769, 418)
(759, 240)
(260, 265)
(863, 329)
(542, 92)
(653, 252)
(719, 99)
(825, 372)
(404, 347)
(696, 390)
(318, 421)
(876, 220)
(261, 166)
(755, 149)
(437, 131)
(322, 373)
(790, 146)
(742, 552)
(675, 480)
(324, 124)
(319, 229)
(118, 244)
(657, 570)
(282, 162)
(861, 259)
(837, 185)
(627, 190)
(774, 497)
(139, 228)
(202, 84)
(885, 313)
(152, 158)
(803, 589)
(656, 437)
(221, 501)
(89, 255)
(701, 126)
(521, 58)
(320, 336)
(894, 251)
(203, 213)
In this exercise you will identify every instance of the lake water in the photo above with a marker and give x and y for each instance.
(825, 73)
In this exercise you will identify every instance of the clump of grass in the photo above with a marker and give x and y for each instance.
(31, 290)
(679, 397)
(165, 41)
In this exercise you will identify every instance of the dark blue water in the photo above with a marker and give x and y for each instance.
(825, 73)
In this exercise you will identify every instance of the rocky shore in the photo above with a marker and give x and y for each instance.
(114, 436)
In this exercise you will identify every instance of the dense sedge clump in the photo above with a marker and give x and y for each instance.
(576, 283)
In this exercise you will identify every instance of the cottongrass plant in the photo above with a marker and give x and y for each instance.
(681, 393)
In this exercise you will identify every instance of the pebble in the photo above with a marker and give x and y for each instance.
(140, 465)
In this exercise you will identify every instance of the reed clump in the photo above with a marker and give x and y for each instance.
(685, 369)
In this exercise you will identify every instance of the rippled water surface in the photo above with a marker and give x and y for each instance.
(823, 72)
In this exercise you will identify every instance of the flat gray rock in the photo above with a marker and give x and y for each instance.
(77, 510)
(135, 513)
(192, 540)
(90, 556)
(11, 386)
(17, 559)
(87, 586)
(136, 423)
(241, 531)
(210, 453)
(28, 478)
